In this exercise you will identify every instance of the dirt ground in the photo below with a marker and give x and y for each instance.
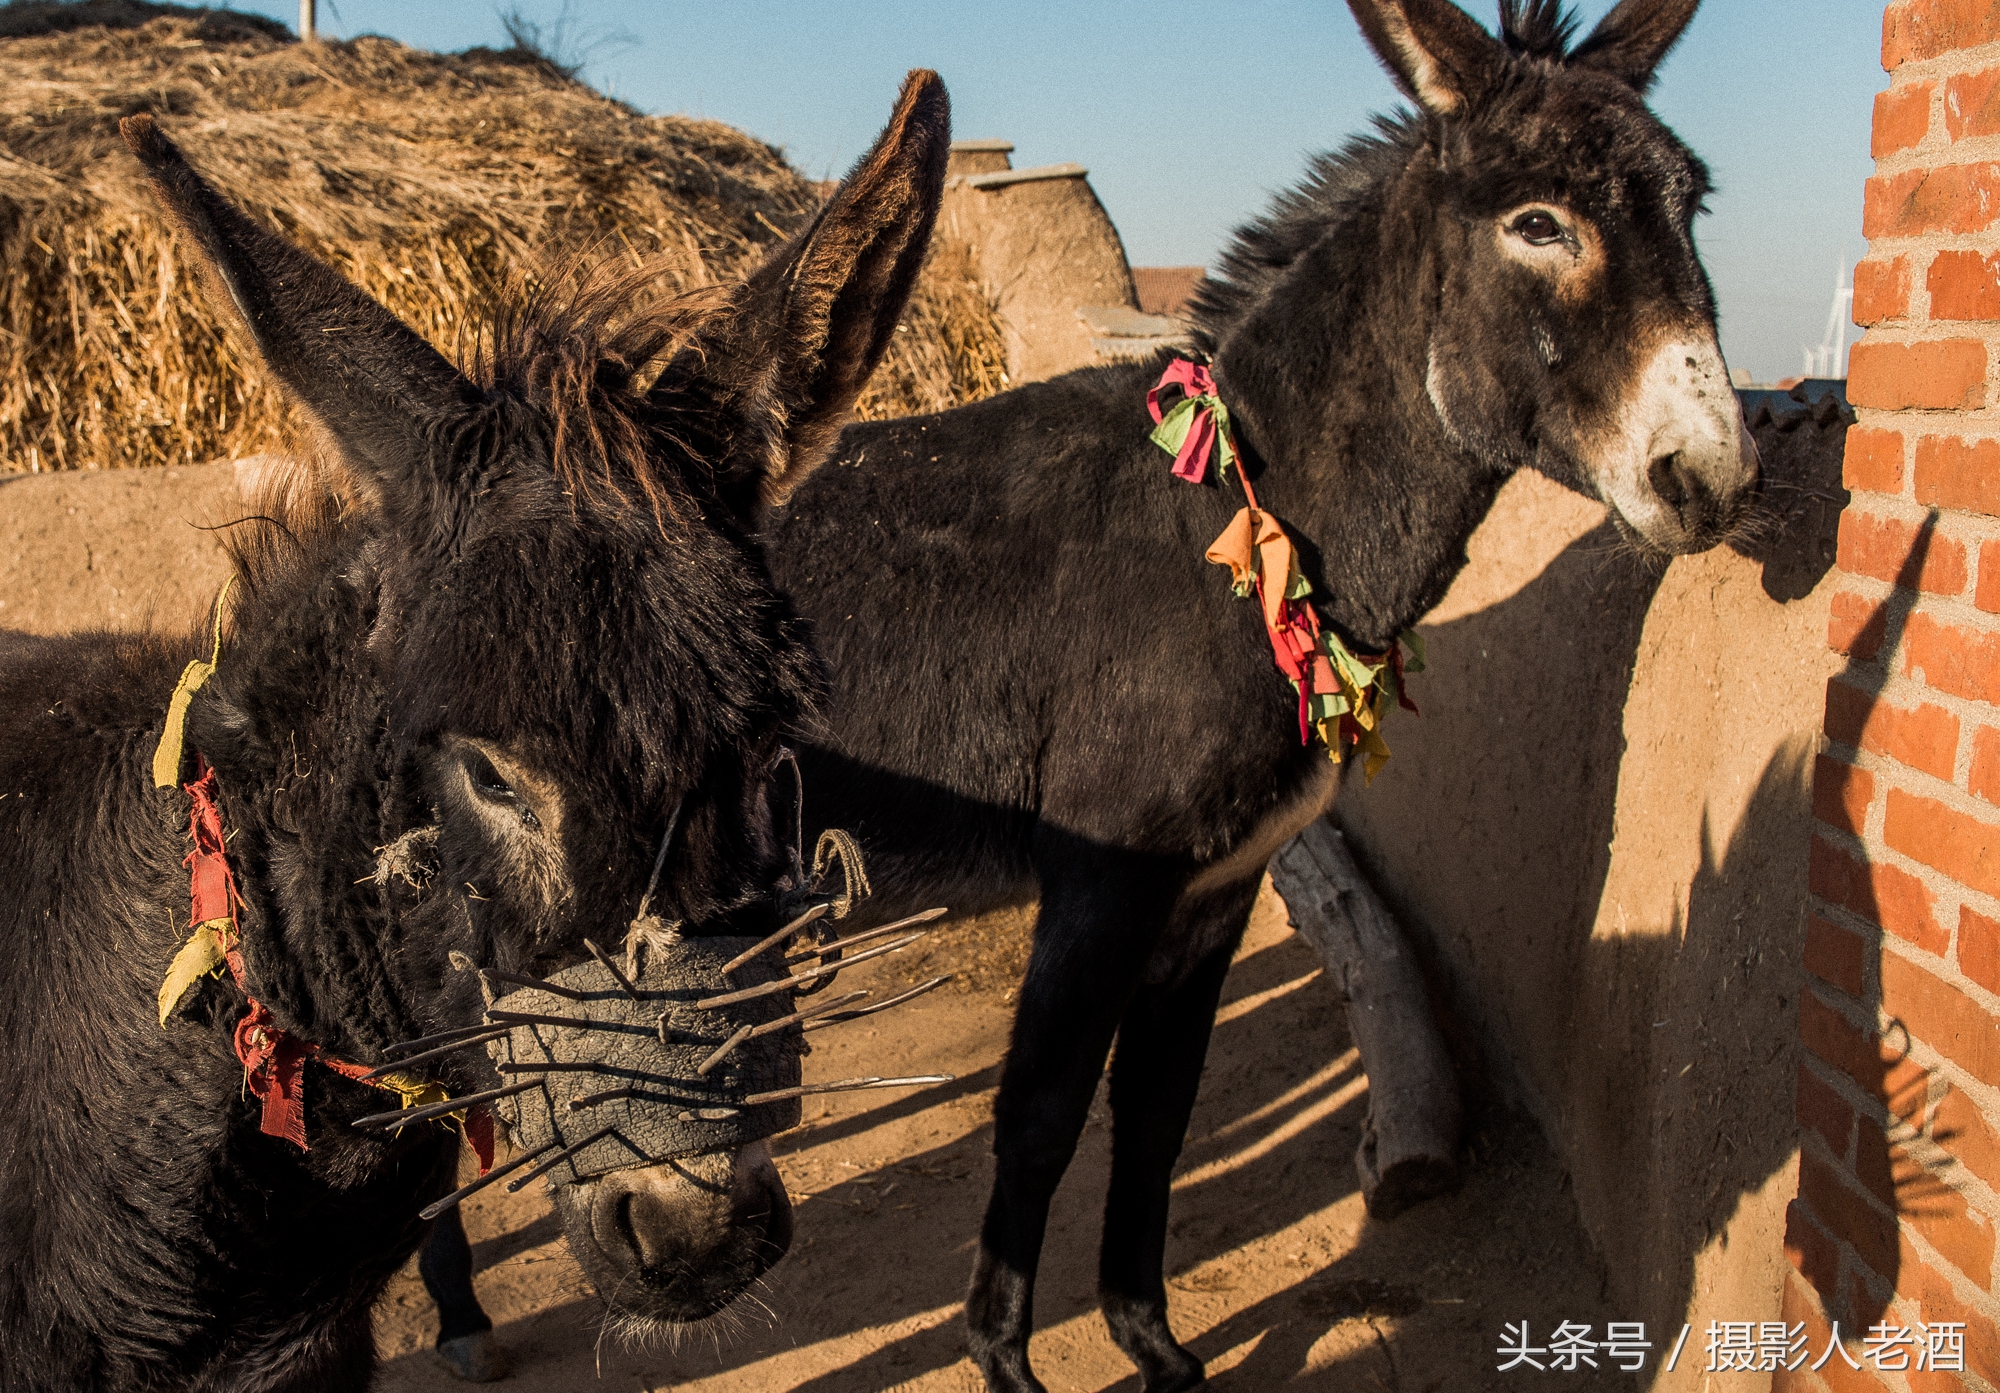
(1277, 1276)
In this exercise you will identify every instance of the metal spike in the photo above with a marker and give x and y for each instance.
(548, 1066)
(561, 1156)
(403, 1116)
(398, 1065)
(787, 983)
(522, 979)
(438, 1038)
(823, 1008)
(727, 1048)
(611, 967)
(779, 1095)
(466, 1192)
(570, 1022)
(909, 995)
(884, 931)
(607, 1096)
(817, 912)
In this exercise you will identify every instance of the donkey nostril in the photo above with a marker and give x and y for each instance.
(1668, 481)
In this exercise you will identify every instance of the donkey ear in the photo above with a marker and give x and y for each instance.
(1438, 54)
(772, 381)
(371, 382)
(1630, 41)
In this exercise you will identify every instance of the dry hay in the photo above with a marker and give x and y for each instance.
(425, 178)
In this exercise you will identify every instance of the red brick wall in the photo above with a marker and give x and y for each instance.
(1899, 1089)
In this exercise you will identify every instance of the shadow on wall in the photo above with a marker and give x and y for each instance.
(1598, 834)
(1878, 1060)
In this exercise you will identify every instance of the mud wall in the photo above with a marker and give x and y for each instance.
(120, 549)
(1597, 831)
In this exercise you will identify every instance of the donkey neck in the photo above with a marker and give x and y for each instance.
(1322, 353)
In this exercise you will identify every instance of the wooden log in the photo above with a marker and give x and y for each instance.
(1409, 1140)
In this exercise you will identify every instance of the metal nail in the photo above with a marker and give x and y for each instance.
(425, 1041)
(403, 1116)
(396, 1066)
(567, 1022)
(909, 995)
(522, 979)
(788, 983)
(817, 912)
(822, 1009)
(727, 1048)
(779, 1095)
(607, 1096)
(561, 1156)
(611, 967)
(840, 943)
(466, 1192)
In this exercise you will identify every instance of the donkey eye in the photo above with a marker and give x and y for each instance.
(1538, 229)
(486, 780)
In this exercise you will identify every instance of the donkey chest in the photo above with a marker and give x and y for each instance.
(1247, 854)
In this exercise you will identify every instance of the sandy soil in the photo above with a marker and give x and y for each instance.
(1277, 1277)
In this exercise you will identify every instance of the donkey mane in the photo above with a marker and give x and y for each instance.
(575, 342)
(571, 344)
(1338, 188)
(1537, 28)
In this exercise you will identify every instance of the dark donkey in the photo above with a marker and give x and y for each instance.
(1040, 684)
(452, 722)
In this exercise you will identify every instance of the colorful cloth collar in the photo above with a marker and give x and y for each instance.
(1343, 695)
(273, 1059)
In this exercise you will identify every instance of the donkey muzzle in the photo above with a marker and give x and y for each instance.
(1681, 467)
(679, 1241)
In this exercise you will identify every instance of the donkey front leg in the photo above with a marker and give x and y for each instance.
(1162, 1044)
(1099, 919)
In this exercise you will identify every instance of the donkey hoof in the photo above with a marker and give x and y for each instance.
(475, 1358)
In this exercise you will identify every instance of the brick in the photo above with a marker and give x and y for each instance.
(1824, 1111)
(1799, 1307)
(1936, 1301)
(1846, 1212)
(1874, 459)
(1835, 955)
(1913, 30)
(1983, 779)
(1971, 106)
(1965, 848)
(1963, 1237)
(1924, 737)
(1902, 118)
(1964, 286)
(1881, 291)
(1887, 896)
(1961, 474)
(1856, 625)
(1979, 948)
(1942, 1016)
(1900, 1085)
(1962, 1129)
(1810, 1248)
(1841, 793)
(1956, 198)
(1987, 594)
(1960, 661)
(1948, 374)
(1904, 553)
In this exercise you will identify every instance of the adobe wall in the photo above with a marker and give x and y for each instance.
(1597, 833)
(117, 549)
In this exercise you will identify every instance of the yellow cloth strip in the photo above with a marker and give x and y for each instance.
(167, 757)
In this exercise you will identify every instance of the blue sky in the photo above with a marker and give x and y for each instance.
(1190, 116)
